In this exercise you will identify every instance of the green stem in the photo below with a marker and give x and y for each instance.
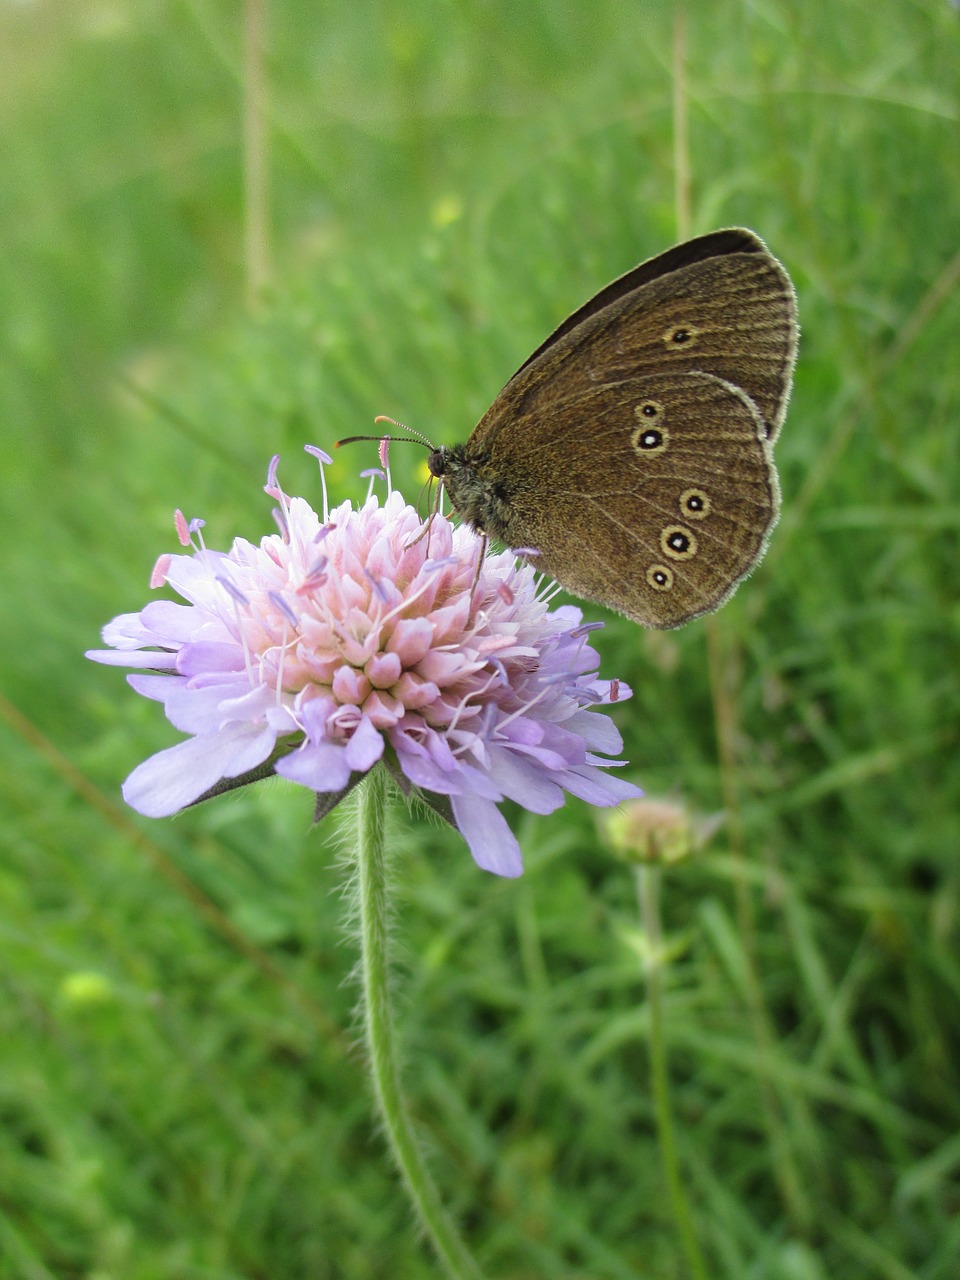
(381, 1040)
(648, 888)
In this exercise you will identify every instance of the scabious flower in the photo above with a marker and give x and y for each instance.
(359, 638)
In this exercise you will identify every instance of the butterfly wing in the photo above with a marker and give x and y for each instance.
(653, 495)
(719, 304)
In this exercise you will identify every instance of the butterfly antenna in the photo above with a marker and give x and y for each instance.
(415, 437)
(402, 427)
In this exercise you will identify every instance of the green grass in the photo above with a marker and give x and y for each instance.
(182, 1096)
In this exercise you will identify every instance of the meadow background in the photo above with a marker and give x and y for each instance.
(184, 293)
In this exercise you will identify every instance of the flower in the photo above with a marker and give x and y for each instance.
(360, 637)
(654, 830)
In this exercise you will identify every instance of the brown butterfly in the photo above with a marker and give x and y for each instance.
(633, 451)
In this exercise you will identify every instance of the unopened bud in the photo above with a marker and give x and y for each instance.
(651, 830)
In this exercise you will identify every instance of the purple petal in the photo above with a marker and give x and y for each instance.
(493, 845)
(426, 774)
(321, 768)
(181, 622)
(365, 747)
(204, 656)
(172, 779)
(598, 730)
(157, 688)
(598, 788)
(152, 659)
(127, 631)
(524, 782)
(314, 714)
(196, 710)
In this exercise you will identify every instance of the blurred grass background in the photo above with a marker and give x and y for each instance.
(181, 1095)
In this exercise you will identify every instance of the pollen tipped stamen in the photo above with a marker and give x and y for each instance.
(283, 655)
(466, 700)
(280, 520)
(232, 589)
(500, 669)
(315, 577)
(158, 575)
(189, 533)
(237, 598)
(378, 587)
(522, 711)
(371, 474)
(324, 460)
(284, 607)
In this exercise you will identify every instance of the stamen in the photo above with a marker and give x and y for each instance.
(273, 489)
(283, 654)
(377, 586)
(195, 526)
(182, 528)
(322, 458)
(584, 628)
(232, 589)
(408, 600)
(614, 690)
(238, 599)
(319, 454)
(280, 519)
(555, 677)
(315, 575)
(500, 669)
(284, 608)
(374, 473)
(464, 701)
(522, 711)
(505, 593)
(159, 575)
(384, 450)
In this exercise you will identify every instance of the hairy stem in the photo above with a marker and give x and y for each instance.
(381, 1038)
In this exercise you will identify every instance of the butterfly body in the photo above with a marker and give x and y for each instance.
(633, 451)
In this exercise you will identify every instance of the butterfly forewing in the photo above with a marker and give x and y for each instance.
(732, 315)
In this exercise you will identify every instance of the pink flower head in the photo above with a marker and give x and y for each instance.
(357, 638)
